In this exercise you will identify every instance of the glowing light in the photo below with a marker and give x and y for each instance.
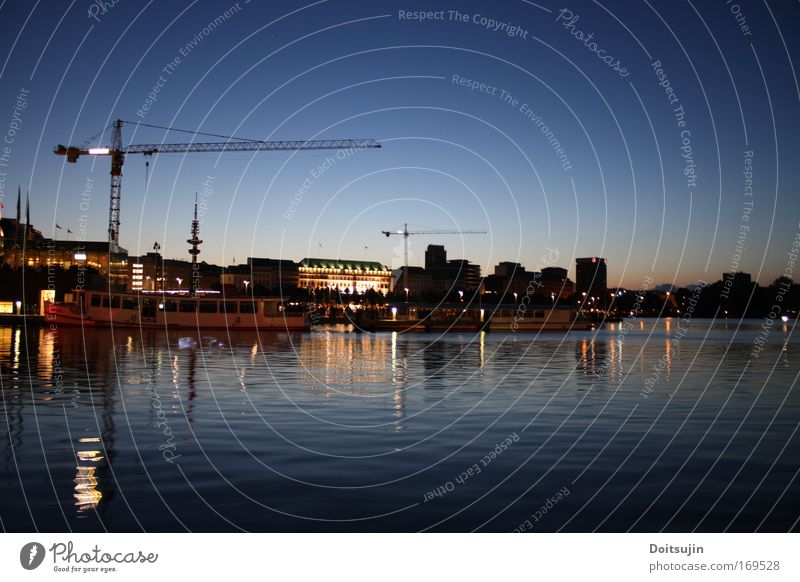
(86, 495)
(80, 256)
(90, 456)
(99, 151)
(785, 318)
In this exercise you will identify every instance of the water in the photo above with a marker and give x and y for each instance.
(636, 428)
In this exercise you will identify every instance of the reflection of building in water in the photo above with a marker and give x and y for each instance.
(87, 495)
(10, 340)
(360, 365)
(593, 358)
(56, 358)
(94, 479)
(346, 363)
(399, 380)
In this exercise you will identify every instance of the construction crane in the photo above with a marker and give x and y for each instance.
(405, 234)
(117, 153)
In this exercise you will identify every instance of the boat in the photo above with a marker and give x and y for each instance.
(493, 318)
(535, 318)
(161, 310)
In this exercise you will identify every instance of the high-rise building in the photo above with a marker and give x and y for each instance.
(453, 275)
(591, 276)
(435, 256)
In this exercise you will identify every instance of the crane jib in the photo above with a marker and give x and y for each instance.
(252, 146)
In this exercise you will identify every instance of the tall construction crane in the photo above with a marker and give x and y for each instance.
(406, 233)
(117, 152)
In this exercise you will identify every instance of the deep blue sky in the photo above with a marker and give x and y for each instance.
(452, 158)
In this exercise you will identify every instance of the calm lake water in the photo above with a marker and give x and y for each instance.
(636, 427)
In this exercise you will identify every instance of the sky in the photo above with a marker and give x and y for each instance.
(660, 135)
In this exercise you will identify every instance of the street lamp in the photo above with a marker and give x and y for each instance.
(156, 250)
(406, 290)
(461, 295)
(515, 297)
(180, 282)
(246, 283)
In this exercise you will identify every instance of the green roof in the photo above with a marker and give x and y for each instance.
(343, 264)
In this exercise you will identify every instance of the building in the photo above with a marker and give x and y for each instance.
(737, 279)
(591, 276)
(273, 274)
(343, 275)
(453, 275)
(152, 272)
(435, 256)
(24, 246)
(556, 284)
(419, 281)
(236, 279)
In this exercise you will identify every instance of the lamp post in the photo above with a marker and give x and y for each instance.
(180, 282)
(461, 295)
(406, 290)
(246, 283)
(515, 297)
(156, 250)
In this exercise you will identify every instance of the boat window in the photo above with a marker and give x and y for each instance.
(111, 301)
(170, 305)
(270, 308)
(95, 301)
(247, 307)
(188, 306)
(208, 307)
(130, 303)
(228, 307)
(539, 314)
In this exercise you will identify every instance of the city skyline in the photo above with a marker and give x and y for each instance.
(461, 123)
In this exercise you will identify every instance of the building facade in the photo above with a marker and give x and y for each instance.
(273, 274)
(343, 275)
(591, 276)
(451, 275)
(556, 284)
(22, 246)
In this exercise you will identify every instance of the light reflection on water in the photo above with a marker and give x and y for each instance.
(334, 430)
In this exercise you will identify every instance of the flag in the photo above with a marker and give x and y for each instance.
(19, 217)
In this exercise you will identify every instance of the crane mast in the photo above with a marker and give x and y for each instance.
(117, 152)
(117, 161)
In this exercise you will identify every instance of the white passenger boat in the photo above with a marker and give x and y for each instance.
(157, 310)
